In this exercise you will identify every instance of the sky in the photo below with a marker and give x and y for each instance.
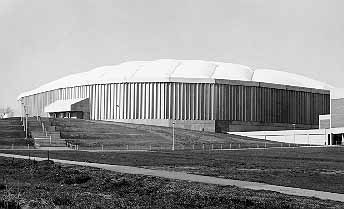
(43, 40)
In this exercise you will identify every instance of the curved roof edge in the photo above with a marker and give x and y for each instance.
(167, 70)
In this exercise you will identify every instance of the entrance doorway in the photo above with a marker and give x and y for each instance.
(337, 139)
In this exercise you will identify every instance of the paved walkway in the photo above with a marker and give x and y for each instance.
(198, 178)
(154, 150)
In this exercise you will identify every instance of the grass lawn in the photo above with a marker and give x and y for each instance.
(309, 168)
(29, 184)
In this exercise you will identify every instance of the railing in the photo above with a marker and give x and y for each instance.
(165, 147)
(190, 147)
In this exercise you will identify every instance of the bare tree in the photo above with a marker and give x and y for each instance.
(6, 112)
(9, 111)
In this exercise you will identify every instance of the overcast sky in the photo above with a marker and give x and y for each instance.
(42, 40)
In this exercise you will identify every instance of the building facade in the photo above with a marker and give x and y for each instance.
(195, 102)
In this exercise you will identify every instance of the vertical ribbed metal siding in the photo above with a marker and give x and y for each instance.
(190, 101)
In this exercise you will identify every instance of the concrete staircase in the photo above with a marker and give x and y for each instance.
(44, 134)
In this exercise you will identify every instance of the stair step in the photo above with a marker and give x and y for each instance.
(53, 143)
(44, 135)
(50, 128)
(48, 142)
(53, 148)
(47, 139)
(49, 145)
(48, 132)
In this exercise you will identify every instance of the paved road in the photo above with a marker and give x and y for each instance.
(198, 178)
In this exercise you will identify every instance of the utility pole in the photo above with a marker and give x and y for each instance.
(25, 121)
(21, 110)
(294, 134)
(23, 115)
(173, 139)
(26, 126)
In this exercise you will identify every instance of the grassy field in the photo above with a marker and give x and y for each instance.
(28, 184)
(309, 168)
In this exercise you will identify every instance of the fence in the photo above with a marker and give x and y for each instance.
(166, 147)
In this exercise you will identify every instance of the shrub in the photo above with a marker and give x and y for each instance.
(62, 199)
(2, 186)
(77, 179)
(9, 204)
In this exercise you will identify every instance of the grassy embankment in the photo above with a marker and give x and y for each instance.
(28, 184)
(12, 134)
(112, 135)
(121, 136)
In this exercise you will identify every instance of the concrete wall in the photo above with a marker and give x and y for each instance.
(83, 106)
(326, 123)
(312, 137)
(337, 113)
(238, 126)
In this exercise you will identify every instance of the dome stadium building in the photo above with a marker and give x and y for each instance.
(190, 94)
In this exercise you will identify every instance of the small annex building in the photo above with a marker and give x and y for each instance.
(70, 108)
(334, 121)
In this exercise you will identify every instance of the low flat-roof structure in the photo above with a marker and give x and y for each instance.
(70, 108)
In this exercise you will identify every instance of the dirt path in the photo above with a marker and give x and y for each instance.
(198, 178)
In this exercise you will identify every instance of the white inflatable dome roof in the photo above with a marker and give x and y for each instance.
(285, 78)
(337, 93)
(167, 69)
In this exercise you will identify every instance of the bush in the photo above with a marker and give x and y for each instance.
(2, 186)
(9, 204)
(62, 199)
(77, 179)
(121, 182)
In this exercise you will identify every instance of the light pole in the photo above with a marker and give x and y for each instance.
(26, 114)
(294, 134)
(23, 114)
(26, 125)
(21, 111)
(173, 139)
